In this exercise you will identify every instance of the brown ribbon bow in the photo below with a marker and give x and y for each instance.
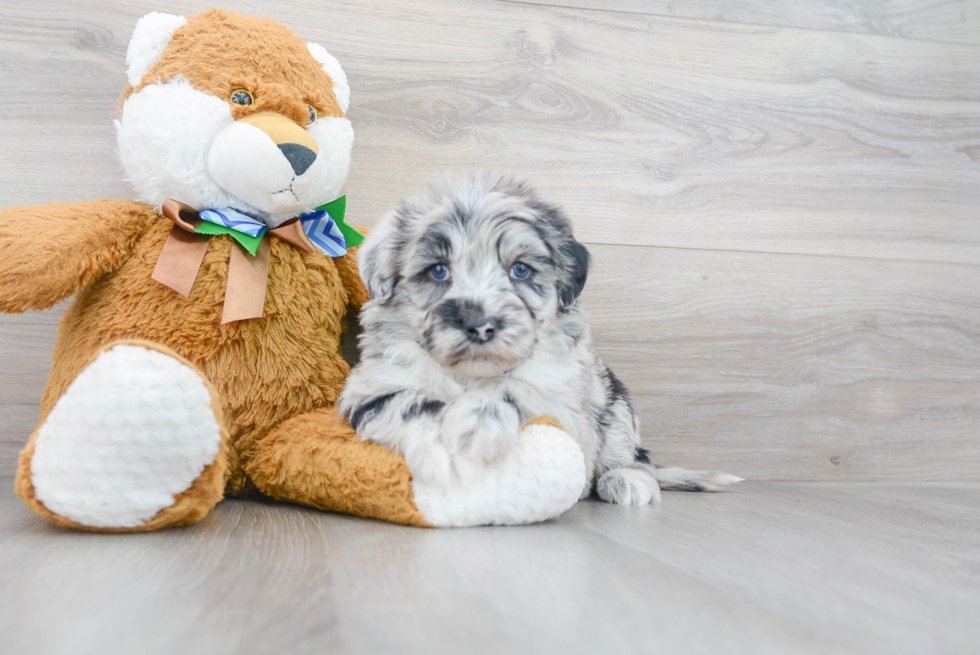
(182, 255)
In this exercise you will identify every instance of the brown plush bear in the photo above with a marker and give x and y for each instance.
(156, 406)
(201, 355)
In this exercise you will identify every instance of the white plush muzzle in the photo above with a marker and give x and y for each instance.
(178, 142)
(244, 161)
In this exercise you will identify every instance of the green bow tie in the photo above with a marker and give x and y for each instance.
(249, 231)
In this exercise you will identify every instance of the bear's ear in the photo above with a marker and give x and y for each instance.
(150, 38)
(331, 67)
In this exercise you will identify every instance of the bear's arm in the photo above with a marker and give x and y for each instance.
(49, 252)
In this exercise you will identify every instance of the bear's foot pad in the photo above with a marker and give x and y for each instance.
(132, 431)
(540, 478)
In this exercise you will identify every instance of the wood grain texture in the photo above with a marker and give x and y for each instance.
(790, 367)
(955, 21)
(655, 131)
(766, 568)
(17, 423)
(691, 134)
(773, 367)
(784, 220)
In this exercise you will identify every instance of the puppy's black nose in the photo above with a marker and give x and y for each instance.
(480, 329)
(299, 157)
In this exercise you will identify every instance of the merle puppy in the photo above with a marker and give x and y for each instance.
(473, 329)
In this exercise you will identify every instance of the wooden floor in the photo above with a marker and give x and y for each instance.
(781, 198)
(767, 568)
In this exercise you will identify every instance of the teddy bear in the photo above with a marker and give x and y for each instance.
(201, 355)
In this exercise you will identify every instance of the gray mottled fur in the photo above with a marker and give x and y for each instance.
(428, 388)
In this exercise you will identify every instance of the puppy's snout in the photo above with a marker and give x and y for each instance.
(482, 329)
(470, 318)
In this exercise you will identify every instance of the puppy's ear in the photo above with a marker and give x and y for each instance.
(574, 271)
(572, 260)
(376, 261)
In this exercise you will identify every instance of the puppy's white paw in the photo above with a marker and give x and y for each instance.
(627, 486)
(432, 464)
(477, 429)
(426, 456)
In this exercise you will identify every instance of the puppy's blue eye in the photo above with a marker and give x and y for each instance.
(520, 271)
(439, 273)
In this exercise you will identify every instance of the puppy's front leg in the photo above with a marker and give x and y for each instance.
(479, 426)
(405, 420)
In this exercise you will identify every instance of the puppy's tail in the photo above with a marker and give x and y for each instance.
(678, 479)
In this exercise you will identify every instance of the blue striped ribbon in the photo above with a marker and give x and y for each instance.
(234, 219)
(319, 227)
(324, 233)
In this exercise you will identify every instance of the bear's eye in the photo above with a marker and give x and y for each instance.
(242, 97)
(313, 114)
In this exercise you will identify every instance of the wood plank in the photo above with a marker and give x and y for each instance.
(795, 367)
(826, 553)
(26, 344)
(17, 423)
(766, 568)
(955, 21)
(654, 131)
(775, 367)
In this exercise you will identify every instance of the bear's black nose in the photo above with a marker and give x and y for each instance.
(299, 157)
